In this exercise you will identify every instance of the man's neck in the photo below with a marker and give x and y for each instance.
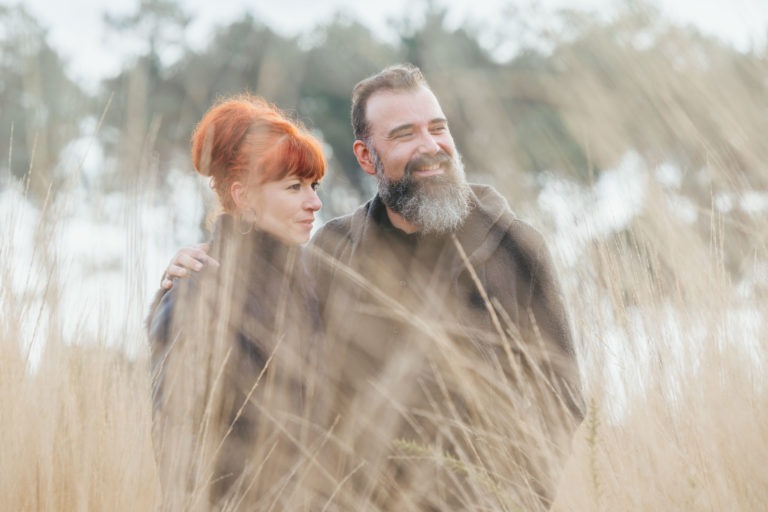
(400, 223)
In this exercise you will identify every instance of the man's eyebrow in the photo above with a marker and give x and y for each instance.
(402, 127)
(408, 126)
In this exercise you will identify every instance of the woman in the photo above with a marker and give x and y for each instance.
(235, 347)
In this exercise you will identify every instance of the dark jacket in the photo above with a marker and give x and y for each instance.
(402, 311)
(235, 354)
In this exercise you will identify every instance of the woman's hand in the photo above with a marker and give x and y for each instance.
(186, 260)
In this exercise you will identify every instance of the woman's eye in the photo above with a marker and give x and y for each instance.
(315, 185)
(294, 186)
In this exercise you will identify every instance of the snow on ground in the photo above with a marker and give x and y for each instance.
(635, 343)
(99, 259)
(86, 267)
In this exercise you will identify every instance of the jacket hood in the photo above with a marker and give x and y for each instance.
(255, 245)
(480, 235)
(486, 225)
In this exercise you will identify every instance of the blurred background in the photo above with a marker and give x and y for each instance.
(630, 133)
(585, 115)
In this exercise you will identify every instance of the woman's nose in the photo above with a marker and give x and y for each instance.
(312, 201)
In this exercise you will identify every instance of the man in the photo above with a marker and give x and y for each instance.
(428, 287)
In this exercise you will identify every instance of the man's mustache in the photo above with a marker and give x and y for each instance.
(440, 158)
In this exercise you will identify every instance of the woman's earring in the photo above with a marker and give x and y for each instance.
(250, 228)
(241, 220)
(252, 218)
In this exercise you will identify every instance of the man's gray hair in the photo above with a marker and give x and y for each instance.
(400, 77)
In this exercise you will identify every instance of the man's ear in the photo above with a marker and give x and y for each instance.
(364, 156)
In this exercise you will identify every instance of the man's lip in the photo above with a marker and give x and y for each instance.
(430, 171)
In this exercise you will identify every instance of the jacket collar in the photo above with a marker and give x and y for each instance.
(258, 245)
(479, 236)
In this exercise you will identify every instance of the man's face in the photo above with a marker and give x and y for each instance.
(408, 127)
(420, 173)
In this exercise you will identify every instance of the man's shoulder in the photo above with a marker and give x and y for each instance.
(492, 203)
(335, 239)
(332, 231)
(335, 236)
(337, 224)
(495, 226)
(490, 200)
(346, 226)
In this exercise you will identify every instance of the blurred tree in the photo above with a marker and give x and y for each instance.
(141, 105)
(677, 98)
(639, 83)
(504, 123)
(41, 106)
(575, 99)
(160, 24)
(343, 53)
(243, 56)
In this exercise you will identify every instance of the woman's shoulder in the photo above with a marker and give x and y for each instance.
(159, 318)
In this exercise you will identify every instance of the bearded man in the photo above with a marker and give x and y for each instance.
(444, 321)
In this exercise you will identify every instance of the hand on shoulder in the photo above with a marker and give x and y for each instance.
(185, 261)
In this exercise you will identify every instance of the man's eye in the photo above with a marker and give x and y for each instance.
(403, 135)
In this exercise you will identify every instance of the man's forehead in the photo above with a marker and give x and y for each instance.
(392, 108)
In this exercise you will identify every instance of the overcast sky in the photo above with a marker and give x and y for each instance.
(77, 31)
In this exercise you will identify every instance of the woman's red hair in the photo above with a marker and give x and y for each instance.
(246, 138)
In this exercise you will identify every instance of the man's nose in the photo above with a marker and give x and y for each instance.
(429, 144)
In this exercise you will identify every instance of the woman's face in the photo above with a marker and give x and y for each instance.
(285, 208)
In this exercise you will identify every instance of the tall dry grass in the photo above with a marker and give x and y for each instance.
(675, 372)
(671, 337)
(76, 414)
(673, 365)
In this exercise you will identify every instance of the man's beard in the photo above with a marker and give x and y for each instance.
(436, 204)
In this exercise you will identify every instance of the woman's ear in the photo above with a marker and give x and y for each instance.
(239, 193)
(243, 203)
(364, 157)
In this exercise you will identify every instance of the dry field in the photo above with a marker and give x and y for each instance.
(673, 358)
(668, 312)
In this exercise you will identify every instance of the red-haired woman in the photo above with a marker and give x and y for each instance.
(235, 348)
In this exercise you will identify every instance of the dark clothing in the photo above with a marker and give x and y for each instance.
(235, 353)
(412, 319)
